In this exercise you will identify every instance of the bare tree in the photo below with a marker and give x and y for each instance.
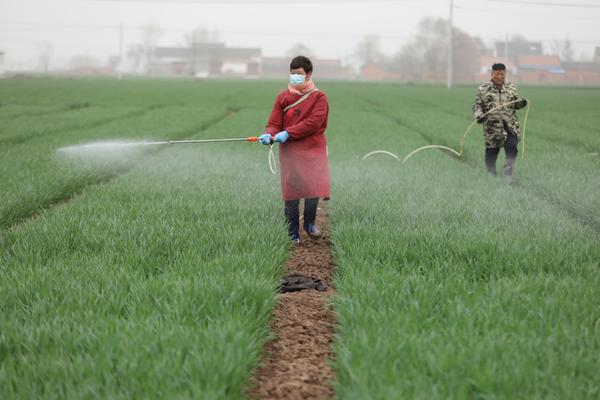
(151, 34)
(567, 52)
(45, 56)
(112, 62)
(2, 70)
(425, 55)
(300, 49)
(368, 50)
(135, 54)
(564, 50)
(201, 35)
(467, 52)
(410, 60)
(518, 46)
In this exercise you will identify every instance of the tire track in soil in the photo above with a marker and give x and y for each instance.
(20, 219)
(296, 363)
(534, 190)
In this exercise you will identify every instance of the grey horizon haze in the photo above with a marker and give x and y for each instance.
(330, 28)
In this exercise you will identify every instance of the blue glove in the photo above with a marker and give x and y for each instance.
(265, 138)
(281, 137)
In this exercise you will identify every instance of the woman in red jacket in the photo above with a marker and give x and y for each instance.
(298, 122)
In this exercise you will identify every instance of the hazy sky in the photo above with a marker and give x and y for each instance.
(331, 28)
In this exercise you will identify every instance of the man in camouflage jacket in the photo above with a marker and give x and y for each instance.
(501, 126)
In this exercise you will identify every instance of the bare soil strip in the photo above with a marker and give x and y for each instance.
(296, 363)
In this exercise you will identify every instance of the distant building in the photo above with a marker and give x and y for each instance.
(381, 71)
(330, 69)
(540, 69)
(275, 67)
(278, 67)
(582, 73)
(2, 68)
(485, 68)
(204, 60)
(513, 50)
(241, 61)
(83, 65)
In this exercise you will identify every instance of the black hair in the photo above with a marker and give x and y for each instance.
(301, 62)
(498, 67)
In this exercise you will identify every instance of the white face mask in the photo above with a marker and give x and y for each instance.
(297, 79)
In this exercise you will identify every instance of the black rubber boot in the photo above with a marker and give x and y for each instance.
(510, 150)
(508, 169)
(292, 217)
(310, 215)
(491, 155)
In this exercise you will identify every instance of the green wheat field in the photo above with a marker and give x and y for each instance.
(151, 272)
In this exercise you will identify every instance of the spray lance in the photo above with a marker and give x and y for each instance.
(272, 164)
(246, 139)
(116, 145)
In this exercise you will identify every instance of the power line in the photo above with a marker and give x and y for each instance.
(17, 25)
(44, 26)
(279, 2)
(36, 26)
(544, 3)
(254, 2)
(510, 12)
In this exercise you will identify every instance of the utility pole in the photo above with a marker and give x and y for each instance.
(450, 47)
(120, 65)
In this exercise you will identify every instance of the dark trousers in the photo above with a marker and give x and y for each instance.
(292, 214)
(510, 153)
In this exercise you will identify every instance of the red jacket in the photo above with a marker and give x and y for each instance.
(303, 157)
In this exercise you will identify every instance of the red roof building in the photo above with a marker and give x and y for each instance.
(582, 73)
(540, 69)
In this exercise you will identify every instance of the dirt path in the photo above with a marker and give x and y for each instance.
(296, 364)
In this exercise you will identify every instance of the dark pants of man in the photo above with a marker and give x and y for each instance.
(510, 153)
(292, 214)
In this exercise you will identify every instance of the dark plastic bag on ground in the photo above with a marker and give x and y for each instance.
(296, 282)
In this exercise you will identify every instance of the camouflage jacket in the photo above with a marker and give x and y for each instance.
(498, 123)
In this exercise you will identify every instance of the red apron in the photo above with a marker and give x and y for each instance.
(303, 157)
